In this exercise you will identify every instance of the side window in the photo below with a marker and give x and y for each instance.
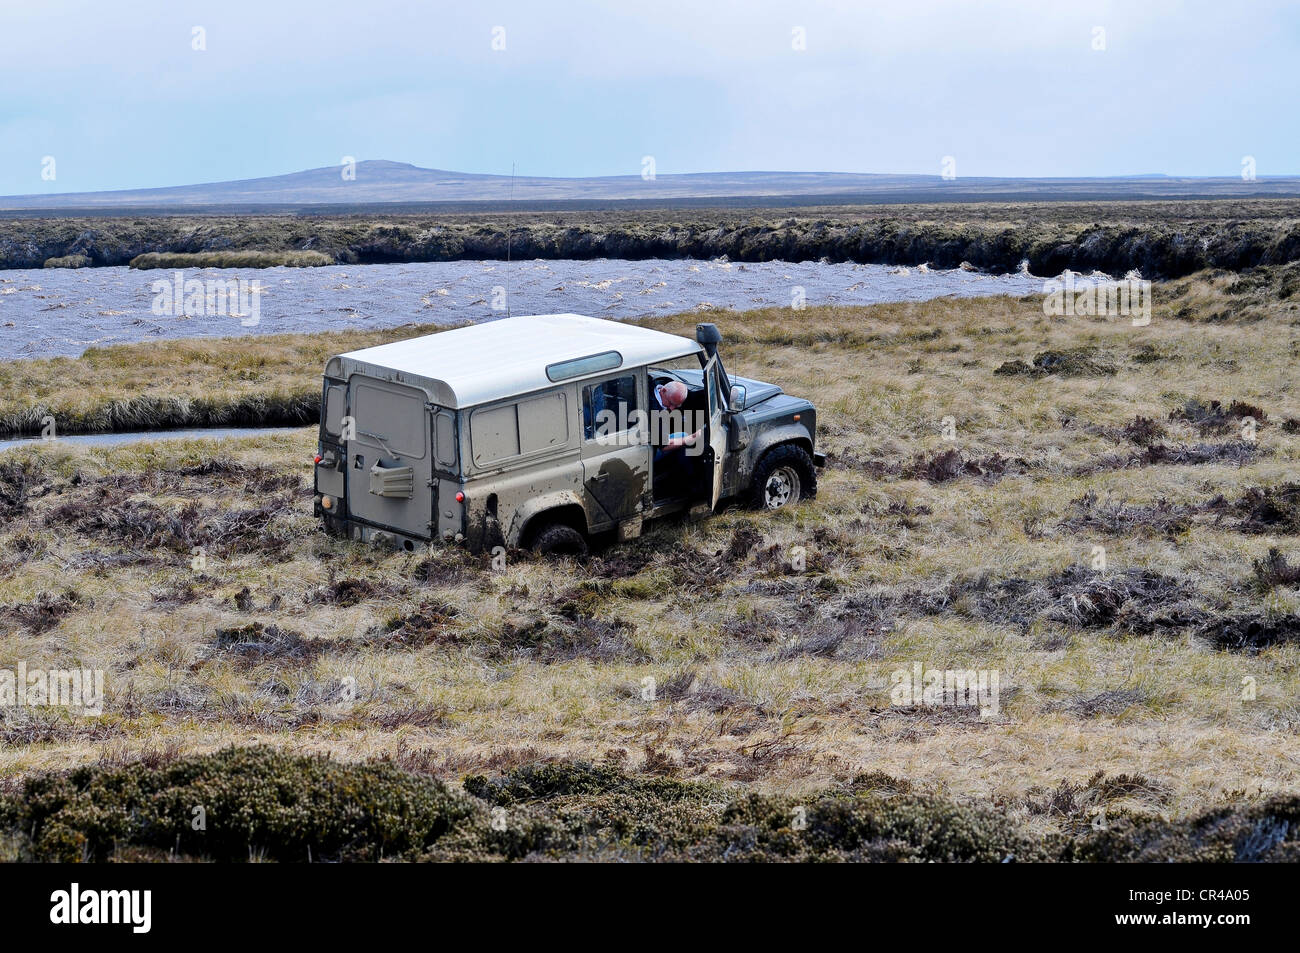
(444, 430)
(607, 407)
(335, 396)
(494, 434)
(543, 422)
(512, 430)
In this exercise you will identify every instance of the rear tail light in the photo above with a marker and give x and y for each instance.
(460, 497)
(318, 458)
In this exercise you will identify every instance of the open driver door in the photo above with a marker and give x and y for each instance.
(716, 432)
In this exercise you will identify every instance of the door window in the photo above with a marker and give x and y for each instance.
(608, 407)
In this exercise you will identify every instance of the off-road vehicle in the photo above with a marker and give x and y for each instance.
(537, 432)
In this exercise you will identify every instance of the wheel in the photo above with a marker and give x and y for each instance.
(785, 475)
(560, 540)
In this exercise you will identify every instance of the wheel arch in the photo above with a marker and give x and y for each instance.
(565, 509)
(776, 438)
(808, 478)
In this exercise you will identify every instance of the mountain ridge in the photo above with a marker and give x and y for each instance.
(384, 181)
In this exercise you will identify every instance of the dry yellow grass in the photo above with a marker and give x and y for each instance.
(742, 692)
(185, 383)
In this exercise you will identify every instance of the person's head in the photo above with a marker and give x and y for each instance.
(672, 395)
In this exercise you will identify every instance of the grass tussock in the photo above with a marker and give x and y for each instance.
(252, 258)
(68, 261)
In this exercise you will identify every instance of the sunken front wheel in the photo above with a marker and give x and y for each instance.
(560, 540)
(785, 475)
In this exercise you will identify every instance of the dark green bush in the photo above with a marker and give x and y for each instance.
(260, 803)
(1261, 831)
(256, 802)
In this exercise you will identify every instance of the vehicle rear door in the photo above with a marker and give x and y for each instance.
(390, 467)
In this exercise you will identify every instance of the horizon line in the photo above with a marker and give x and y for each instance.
(667, 175)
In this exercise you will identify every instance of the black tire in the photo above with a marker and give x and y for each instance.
(786, 466)
(560, 540)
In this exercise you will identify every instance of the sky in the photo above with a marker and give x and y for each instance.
(147, 93)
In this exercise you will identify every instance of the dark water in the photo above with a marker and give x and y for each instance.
(48, 312)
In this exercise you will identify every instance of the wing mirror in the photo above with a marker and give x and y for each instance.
(736, 399)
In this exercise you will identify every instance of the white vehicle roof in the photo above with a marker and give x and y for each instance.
(481, 363)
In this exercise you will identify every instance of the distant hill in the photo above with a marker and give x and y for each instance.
(380, 182)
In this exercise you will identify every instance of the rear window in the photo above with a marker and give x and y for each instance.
(511, 430)
(444, 432)
(335, 404)
(390, 419)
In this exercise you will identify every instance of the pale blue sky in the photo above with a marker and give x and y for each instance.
(1008, 87)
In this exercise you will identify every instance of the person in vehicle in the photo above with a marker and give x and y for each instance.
(669, 397)
(674, 466)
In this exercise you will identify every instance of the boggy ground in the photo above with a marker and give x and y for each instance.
(1107, 518)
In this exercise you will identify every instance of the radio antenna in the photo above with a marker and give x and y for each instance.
(509, 235)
